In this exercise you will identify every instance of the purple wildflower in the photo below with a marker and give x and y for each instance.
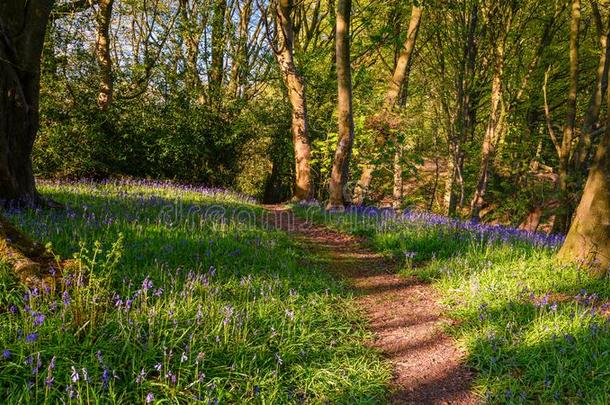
(74, 376)
(171, 376)
(141, 376)
(147, 284)
(31, 337)
(105, 378)
(66, 298)
(38, 318)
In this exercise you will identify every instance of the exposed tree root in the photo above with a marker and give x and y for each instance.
(33, 263)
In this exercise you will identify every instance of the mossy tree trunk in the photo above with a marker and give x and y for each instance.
(588, 240)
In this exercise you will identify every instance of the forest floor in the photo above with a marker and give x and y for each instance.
(403, 313)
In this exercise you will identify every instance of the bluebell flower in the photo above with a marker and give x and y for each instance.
(31, 337)
(74, 376)
(38, 318)
(105, 378)
(66, 298)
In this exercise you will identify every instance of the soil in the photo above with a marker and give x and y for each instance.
(403, 313)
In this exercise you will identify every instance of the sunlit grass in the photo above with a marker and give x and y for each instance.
(535, 331)
(183, 296)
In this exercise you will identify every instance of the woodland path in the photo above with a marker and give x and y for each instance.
(402, 313)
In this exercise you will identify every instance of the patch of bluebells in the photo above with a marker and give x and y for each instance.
(388, 218)
(188, 309)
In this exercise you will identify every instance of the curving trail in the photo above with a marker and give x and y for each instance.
(402, 312)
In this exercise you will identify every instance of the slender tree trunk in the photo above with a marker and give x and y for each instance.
(102, 53)
(296, 94)
(597, 96)
(397, 193)
(190, 34)
(218, 47)
(240, 57)
(588, 240)
(401, 73)
(401, 70)
(466, 115)
(492, 132)
(545, 40)
(562, 220)
(339, 196)
(22, 30)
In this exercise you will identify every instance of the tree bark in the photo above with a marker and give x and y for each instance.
(588, 240)
(492, 133)
(296, 94)
(401, 73)
(597, 96)
(32, 263)
(241, 50)
(218, 47)
(191, 30)
(22, 30)
(103, 17)
(562, 220)
(466, 115)
(339, 197)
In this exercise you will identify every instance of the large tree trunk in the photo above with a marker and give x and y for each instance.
(401, 73)
(22, 30)
(339, 196)
(588, 241)
(562, 220)
(296, 94)
(102, 52)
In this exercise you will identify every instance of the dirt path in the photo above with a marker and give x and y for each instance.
(402, 313)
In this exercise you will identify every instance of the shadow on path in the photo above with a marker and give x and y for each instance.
(402, 312)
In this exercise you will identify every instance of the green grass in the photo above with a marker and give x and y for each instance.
(535, 331)
(181, 300)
